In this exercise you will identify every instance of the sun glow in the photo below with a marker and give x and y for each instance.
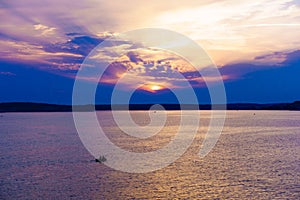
(155, 87)
(152, 87)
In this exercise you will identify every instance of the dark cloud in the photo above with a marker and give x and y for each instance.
(292, 58)
(86, 40)
(277, 84)
(241, 69)
(268, 84)
(114, 71)
(191, 75)
(4, 36)
(33, 85)
(81, 45)
(134, 57)
(73, 34)
(268, 56)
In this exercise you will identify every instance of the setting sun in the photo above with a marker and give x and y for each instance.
(155, 87)
(152, 87)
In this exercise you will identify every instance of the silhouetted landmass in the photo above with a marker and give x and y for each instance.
(33, 107)
(42, 107)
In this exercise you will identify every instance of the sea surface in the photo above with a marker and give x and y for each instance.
(256, 157)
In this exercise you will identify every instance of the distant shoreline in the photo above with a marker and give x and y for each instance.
(43, 107)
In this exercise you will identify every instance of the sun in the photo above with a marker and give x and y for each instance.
(152, 87)
(155, 87)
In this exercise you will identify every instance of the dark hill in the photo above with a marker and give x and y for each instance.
(42, 107)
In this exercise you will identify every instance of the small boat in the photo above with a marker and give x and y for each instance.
(101, 159)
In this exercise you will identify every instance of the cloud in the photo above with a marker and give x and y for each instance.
(271, 59)
(4, 36)
(45, 30)
(231, 30)
(269, 85)
(7, 73)
(292, 58)
(24, 52)
(81, 45)
(61, 56)
(134, 57)
(239, 36)
(235, 31)
(147, 67)
(275, 60)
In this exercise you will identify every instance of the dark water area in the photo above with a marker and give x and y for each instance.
(256, 157)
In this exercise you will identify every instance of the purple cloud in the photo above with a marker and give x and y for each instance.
(7, 73)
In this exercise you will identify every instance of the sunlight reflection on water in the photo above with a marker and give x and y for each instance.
(256, 157)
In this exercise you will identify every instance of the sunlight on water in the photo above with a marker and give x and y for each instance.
(256, 157)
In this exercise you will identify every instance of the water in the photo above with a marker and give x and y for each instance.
(256, 157)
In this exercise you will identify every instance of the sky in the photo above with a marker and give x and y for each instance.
(254, 44)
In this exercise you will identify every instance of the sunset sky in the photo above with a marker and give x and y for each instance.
(255, 45)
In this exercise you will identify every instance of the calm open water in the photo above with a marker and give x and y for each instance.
(256, 157)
